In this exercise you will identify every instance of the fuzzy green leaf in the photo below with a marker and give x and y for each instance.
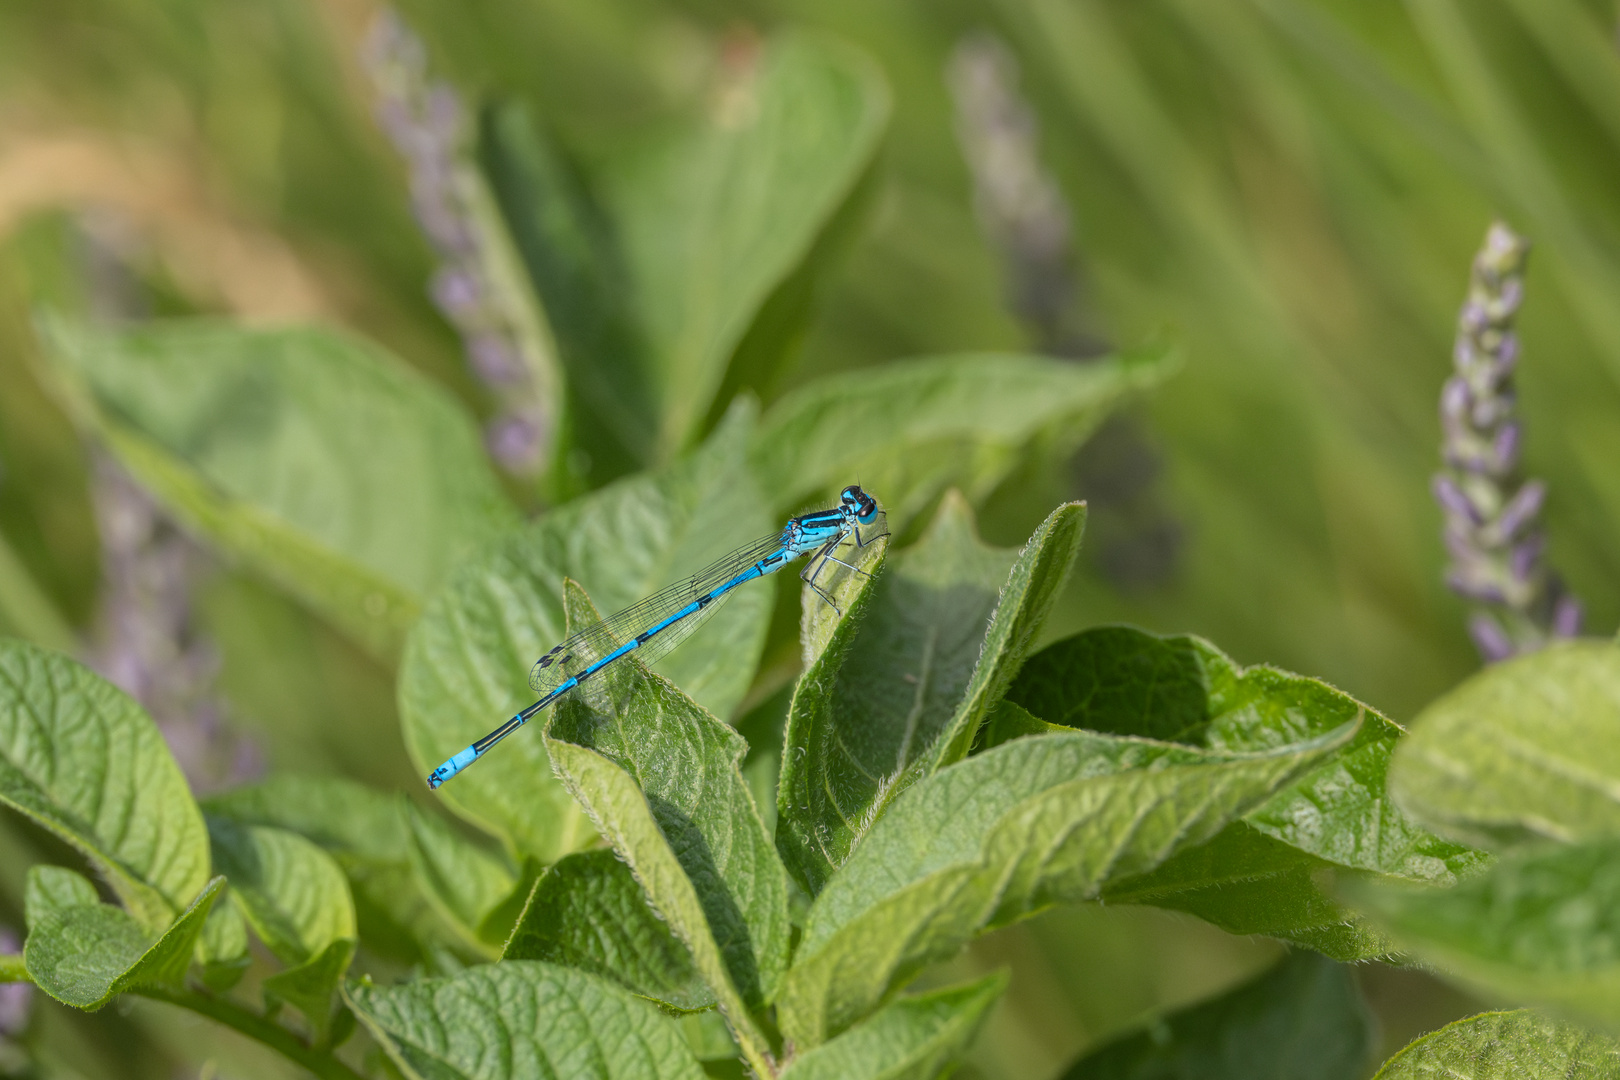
(1523, 750)
(1033, 586)
(588, 912)
(83, 954)
(1541, 926)
(660, 779)
(314, 457)
(1304, 1017)
(342, 816)
(1245, 882)
(467, 664)
(222, 948)
(51, 888)
(912, 1038)
(873, 702)
(1124, 681)
(518, 1020)
(365, 831)
(308, 987)
(1038, 821)
(297, 901)
(905, 682)
(79, 757)
(716, 220)
(910, 430)
(292, 893)
(1507, 1046)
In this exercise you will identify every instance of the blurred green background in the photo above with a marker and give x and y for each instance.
(1289, 190)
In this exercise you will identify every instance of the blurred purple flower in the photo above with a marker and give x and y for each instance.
(16, 999)
(148, 642)
(513, 438)
(1018, 204)
(1135, 540)
(427, 124)
(1491, 515)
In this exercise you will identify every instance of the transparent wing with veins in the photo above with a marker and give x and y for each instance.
(600, 639)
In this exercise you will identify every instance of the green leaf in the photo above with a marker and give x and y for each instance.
(222, 948)
(365, 831)
(292, 893)
(1525, 749)
(1124, 681)
(473, 888)
(342, 816)
(466, 666)
(660, 779)
(26, 609)
(1541, 926)
(51, 888)
(1304, 1017)
(846, 759)
(911, 1038)
(308, 987)
(1245, 882)
(313, 457)
(521, 1019)
(79, 757)
(588, 912)
(1036, 822)
(1507, 1046)
(912, 429)
(716, 220)
(867, 713)
(581, 282)
(708, 1037)
(1033, 586)
(295, 897)
(84, 954)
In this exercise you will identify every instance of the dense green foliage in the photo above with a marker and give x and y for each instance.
(743, 267)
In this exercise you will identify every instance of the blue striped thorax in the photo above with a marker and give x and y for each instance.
(809, 532)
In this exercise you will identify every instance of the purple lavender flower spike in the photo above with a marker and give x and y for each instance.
(494, 360)
(514, 440)
(456, 292)
(1451, 498)
(428, 125)
(1566, 618)
(1521, 510)
(1019, 205)
(148, 640)
(1505, 447)
(1489, 637)
(1022, 214)
(1491, 513)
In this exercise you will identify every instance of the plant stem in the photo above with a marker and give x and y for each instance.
(758, 1059)
(320, 1062)
(12, 969)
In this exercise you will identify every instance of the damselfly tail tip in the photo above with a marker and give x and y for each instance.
(450, 768)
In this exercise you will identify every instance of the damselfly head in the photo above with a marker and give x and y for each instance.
(863, 505)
